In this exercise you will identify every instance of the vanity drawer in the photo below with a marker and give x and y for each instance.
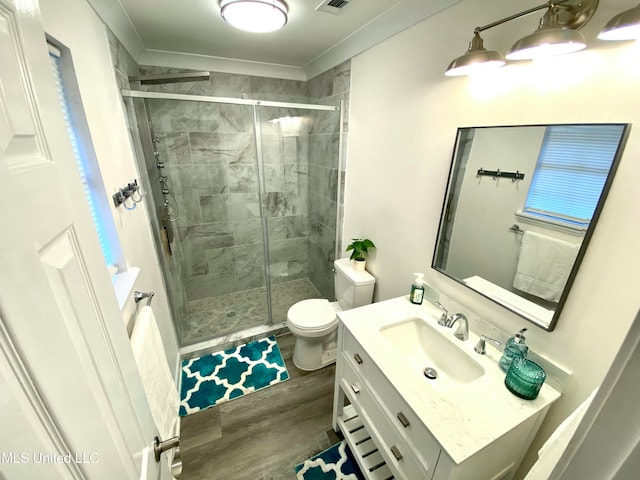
(398, 452)
(397, 409)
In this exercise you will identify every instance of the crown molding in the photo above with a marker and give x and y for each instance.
(401, 16)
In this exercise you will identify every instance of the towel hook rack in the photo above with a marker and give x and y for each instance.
(137, 296)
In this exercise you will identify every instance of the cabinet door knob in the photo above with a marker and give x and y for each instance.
(403, 420)
(355, 388)
(396, 453)
(358, 358)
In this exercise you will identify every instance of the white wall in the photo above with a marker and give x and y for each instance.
(487, 205)
(74, 24)
(403, 118)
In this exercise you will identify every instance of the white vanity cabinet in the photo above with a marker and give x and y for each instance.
(393, 436)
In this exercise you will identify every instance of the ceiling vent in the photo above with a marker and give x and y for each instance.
(334, 7)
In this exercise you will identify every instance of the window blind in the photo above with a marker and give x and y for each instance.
(572, 168)
(83, 168)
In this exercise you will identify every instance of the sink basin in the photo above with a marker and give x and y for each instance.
(425, 347)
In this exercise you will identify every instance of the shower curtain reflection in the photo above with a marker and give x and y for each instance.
(254, 220)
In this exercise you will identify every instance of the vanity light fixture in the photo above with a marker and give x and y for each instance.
(624, 26)
(550, 39)
(257, 16)
(477, 58)
(556, 35)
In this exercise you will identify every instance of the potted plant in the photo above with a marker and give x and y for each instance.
(359, 248)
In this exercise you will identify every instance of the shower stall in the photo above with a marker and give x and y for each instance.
(244, 200)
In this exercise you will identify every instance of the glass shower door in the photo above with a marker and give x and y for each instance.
(299, 158)
(211, 210)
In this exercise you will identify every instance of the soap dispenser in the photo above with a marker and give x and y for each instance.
(515, 347)
(417, 289)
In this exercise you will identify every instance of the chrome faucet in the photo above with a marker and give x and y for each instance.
(480, 347)
(443, 316)
(462, 332)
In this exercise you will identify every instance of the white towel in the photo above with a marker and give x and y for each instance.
(544, 264)
(158, 383)
(555, 446)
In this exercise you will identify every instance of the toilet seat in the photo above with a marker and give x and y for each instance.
(312, 315)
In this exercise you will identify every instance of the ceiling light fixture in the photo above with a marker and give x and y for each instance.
(624, 26)
(257, 16)
(556, 35)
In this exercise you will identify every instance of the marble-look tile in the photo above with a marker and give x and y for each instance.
(274, 178)
(289, 250)
(249, 261)
(321, 149)
(208, 148)
(207, 236)
(185, 116)
(271, 149)
(296, 179)
(342, 78)
(321, 210)
(242, 178)
(229, 84)
(248, 232)
(325, 121)
(321, 85)
(173, 148)
(276, 89)
(276, 226)
(320, 273)
(187, 211)
(236, 118)
(297, 226)
(295, 204)
(221, 260)
(202, 179)
(324, 181)
(195, 261)
(274, 204)
(229, 207)
(290, 149)
(222, 148)
(210, 285)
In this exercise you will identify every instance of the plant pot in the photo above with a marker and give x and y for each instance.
(358, 265)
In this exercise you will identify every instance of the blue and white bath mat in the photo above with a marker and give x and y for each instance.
(335, 463)
(222, 376)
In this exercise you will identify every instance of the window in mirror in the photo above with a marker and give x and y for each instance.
(572, 168)
(522, 261)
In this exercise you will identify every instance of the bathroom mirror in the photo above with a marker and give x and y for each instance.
(520, 207)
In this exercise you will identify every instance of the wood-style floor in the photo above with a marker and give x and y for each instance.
(262, 436)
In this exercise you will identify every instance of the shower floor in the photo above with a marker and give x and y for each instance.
(216, 316)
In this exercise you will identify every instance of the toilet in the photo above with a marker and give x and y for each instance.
(314, 322)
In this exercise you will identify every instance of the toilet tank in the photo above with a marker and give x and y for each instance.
(353, 289)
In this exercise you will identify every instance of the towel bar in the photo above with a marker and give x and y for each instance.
(516, 228)
(137, 296)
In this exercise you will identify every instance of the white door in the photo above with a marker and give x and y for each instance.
(72, 405)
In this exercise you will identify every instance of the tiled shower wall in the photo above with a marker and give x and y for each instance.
(328, 88)
(210, 164)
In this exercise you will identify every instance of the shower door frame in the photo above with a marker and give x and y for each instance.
(129, 93)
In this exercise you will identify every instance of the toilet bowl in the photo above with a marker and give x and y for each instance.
(314, 322)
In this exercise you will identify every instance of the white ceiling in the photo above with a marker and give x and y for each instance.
(191, 34)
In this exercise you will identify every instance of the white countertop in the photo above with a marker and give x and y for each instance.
(462, 418)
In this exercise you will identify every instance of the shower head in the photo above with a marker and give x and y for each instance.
(170, 78)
